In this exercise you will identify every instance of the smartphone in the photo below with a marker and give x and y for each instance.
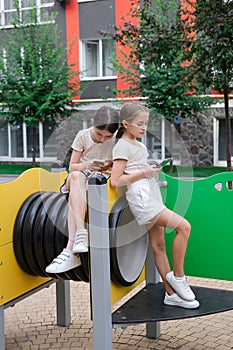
(166, 161)
(98, 162)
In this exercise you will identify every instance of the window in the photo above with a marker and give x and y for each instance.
(16, 137)
(8, 10)
(219, 135)
(96, 58)
(222, 139)
(3, 138)
(16, 142)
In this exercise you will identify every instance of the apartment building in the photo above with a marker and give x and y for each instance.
(80, 21)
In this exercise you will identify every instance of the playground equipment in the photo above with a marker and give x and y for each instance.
(34, 230)
(15, 283)
(33, 227)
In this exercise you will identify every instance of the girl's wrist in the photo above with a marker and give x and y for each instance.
(144, 175)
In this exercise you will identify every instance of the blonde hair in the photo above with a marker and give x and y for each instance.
(129, 112)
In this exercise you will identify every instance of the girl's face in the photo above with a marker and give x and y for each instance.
(138, 127)
(100, 136)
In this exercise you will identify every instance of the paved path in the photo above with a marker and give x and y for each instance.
(7, 178)
(31, 325)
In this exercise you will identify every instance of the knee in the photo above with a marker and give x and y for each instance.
(184, 228)
(76, 181)
(75, 176)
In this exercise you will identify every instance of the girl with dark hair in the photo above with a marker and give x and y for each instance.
(89, 144)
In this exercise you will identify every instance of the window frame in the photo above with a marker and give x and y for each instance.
(26, 157)
(38, 7)
(99, 64)
(216, 130)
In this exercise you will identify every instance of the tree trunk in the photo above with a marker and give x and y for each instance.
(171, 145)
(228, 130)
(228, 135)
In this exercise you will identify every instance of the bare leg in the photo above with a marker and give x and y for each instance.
(168, 218)
(157, 241)
(178, 292)
(76, 183)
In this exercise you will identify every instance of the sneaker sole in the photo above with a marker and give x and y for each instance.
(79, 251)
(195, 306)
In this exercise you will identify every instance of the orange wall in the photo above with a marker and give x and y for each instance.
(122, 8)
(72, 35)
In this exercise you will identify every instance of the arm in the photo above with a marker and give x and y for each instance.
(75, 164)
(119, 178)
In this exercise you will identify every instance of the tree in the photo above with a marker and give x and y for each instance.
(153, 64)
(211, 53)
(36, 84)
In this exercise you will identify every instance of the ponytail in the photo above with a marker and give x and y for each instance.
(120, 132)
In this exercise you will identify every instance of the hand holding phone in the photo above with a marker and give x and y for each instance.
(161, 164)
(166, 161)
(98, 162)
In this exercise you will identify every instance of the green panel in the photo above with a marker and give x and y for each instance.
(210, 213)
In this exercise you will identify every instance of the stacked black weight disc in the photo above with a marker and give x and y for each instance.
(41, 233)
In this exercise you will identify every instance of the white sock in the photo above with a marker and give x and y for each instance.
(179, 278)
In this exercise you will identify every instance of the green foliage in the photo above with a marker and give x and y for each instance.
(34, 74)
(154, 35)
(212, 52)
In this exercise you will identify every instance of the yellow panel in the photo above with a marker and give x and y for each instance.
(118, 292)
(14, 282)
(14, 193)
(113, 195)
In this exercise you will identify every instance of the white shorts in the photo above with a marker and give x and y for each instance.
(145, 200)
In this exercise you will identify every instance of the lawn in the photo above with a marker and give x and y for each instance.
(177, 170)
(16, 168)
(194, 171)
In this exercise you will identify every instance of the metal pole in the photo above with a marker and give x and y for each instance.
(152, 276)
(100, 266)
(63, 303)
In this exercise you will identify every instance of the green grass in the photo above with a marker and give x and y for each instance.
(16, 169)
(177, 170)
(194, 171)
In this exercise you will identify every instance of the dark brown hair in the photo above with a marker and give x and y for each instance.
(107, 118)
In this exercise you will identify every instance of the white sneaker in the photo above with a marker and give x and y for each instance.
(175, 300)
(80, 243)
(65, 261)
(181, 287)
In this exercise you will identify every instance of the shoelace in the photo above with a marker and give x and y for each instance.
(60, 258)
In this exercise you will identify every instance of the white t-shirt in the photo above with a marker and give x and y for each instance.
(134, 152)
(143, 195)
(90, 150)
